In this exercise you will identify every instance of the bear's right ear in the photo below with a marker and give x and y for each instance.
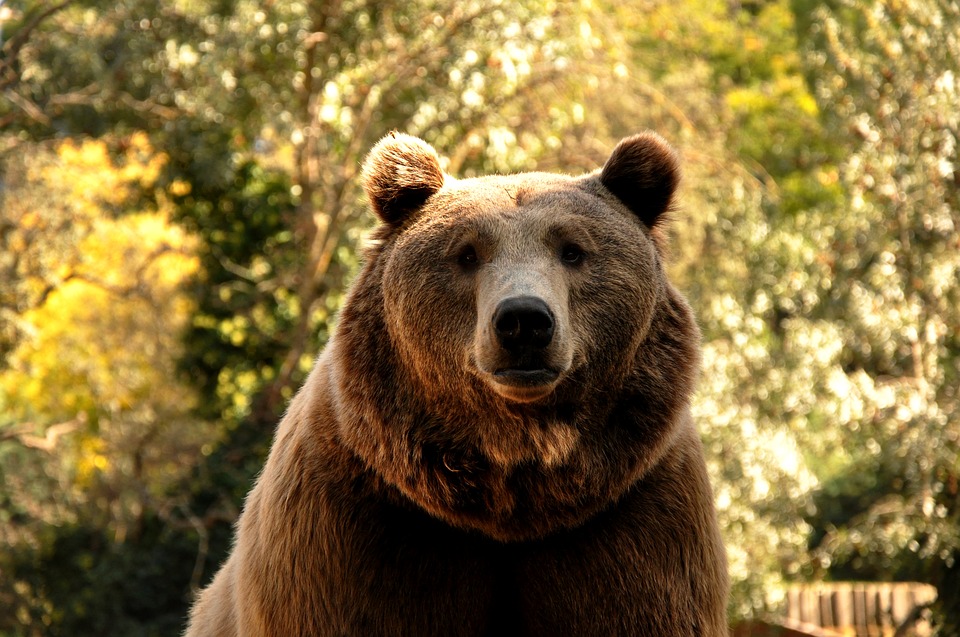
(399, 175)
(643, 172)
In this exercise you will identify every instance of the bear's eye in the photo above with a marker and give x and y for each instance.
(468, 257)
(572, 254)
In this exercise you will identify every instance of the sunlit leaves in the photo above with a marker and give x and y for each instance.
(96, 345)
(893, 92)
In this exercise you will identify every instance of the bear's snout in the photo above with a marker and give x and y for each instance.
(523, 325)
(522, 351)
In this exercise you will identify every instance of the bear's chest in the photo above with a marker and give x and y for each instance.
(419, 576)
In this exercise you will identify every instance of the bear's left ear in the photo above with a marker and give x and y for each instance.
(399, 175)
(643, 172)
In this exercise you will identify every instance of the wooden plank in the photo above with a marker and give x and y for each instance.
(859, 596)
(826, 597)
(900, 603)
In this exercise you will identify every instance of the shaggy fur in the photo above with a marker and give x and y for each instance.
(428, 480)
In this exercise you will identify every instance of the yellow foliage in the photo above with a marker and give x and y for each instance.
(122, 308)
(96, 178)
(180, 188)
(808, 104)
(104, 337)
(91, 459)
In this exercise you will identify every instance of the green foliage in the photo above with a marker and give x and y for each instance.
(236, 340)
(78, 580)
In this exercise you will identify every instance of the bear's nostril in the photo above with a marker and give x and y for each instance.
(523, 323)
(508, 326)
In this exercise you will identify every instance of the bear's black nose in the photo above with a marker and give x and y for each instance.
(523, 323)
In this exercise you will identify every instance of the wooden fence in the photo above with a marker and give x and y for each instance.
(859, 609)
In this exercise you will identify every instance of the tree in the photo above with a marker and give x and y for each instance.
(890, 73)
(94, 426)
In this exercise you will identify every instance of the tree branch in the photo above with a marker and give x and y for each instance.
(27, 106)
(51, 437)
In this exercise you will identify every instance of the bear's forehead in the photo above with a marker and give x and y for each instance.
(515, 196)
(523, 211)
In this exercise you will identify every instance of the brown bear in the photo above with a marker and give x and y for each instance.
(497, 440)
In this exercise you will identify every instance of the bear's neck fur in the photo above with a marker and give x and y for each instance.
(511, 471)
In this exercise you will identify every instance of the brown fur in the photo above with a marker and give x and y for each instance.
(412, 490)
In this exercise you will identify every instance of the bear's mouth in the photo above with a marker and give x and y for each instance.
(526, 377)
(524, 384)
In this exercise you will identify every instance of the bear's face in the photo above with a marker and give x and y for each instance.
(512, 358)
(529, 283)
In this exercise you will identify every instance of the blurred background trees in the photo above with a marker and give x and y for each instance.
(180, 214)
(890, 502)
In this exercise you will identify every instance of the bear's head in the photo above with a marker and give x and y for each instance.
(520, 281)
(504, 325)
